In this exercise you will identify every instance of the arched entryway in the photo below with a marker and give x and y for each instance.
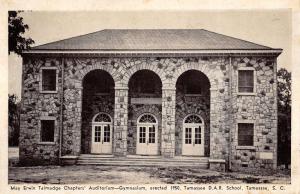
(101, 134)
(98, 97)
(147, 135)
(144, 96)
(192, 101)
(193, 136)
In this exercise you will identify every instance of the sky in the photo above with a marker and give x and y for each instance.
(269, 28)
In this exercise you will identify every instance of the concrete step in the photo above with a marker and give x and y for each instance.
(135, 160)
(165, 164)
(139, 160)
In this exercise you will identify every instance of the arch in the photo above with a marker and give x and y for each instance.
(212, 77)
(102, 117)
(193, 118)
(147, 118)
(107, 68)
(137, 68)
(104, 75)
(145, 82)
(191, 70)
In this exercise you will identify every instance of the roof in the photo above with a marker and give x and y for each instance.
(151, 39)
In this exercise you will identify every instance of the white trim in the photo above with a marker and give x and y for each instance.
(138, 119)
(193, 126)
(41, 81)
(96, 122)
(193, 123)
(208, 51)
(254, 81)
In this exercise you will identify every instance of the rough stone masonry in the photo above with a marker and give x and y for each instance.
(222, 106)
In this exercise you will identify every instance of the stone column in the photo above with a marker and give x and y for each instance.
(214, 125)
(120, 121)
(168, 122)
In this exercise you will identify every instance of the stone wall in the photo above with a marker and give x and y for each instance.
(226, 107)
(36, 105)
(260, 108)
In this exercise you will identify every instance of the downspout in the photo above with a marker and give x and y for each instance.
(61, 108)
(230, 114)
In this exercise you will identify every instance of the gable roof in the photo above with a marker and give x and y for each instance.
(150, 39)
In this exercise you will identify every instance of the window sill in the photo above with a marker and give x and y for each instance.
(48, 92)
(46, 143)
(246, 94)
(245, 147)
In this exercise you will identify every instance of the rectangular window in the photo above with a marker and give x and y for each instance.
(246, 81)
(245, 134)
(47, 130)
(188, 135)
(142, 135)
(49, 80)
(151, 135)
(107, 133)
(97, 134)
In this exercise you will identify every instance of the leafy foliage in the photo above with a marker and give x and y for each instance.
(16, 30)
(284, 116)
(13, 120)
(284, 91)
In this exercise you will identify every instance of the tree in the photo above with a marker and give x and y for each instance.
(13, 120)
(284, 91)
(16, 29)
(284, 116)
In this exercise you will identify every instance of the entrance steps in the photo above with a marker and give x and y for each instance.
(137, 160)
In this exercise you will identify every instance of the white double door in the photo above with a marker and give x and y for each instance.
(101, 139)
(147, 140)
(193, 140)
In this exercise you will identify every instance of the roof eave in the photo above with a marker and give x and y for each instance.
(191, 51)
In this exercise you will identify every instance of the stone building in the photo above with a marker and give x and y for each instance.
(164, 93)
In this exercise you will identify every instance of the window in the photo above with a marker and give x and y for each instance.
(49, 80)
(246, 81)
(47, 130)
(245, 134)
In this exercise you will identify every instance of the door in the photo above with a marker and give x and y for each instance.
(147, 135)
(147, 140)
(101, 139)
(193, 137)
(101, 134)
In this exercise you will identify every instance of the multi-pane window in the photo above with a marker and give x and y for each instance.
(142, 135)
(107, 133)
(198, 135)
(97, 134)
(47, 130)
(246, 81)
(245, 134)
(152, 134)
(188, 135)
(49, 80)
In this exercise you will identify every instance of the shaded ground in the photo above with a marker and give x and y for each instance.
(137, 175)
